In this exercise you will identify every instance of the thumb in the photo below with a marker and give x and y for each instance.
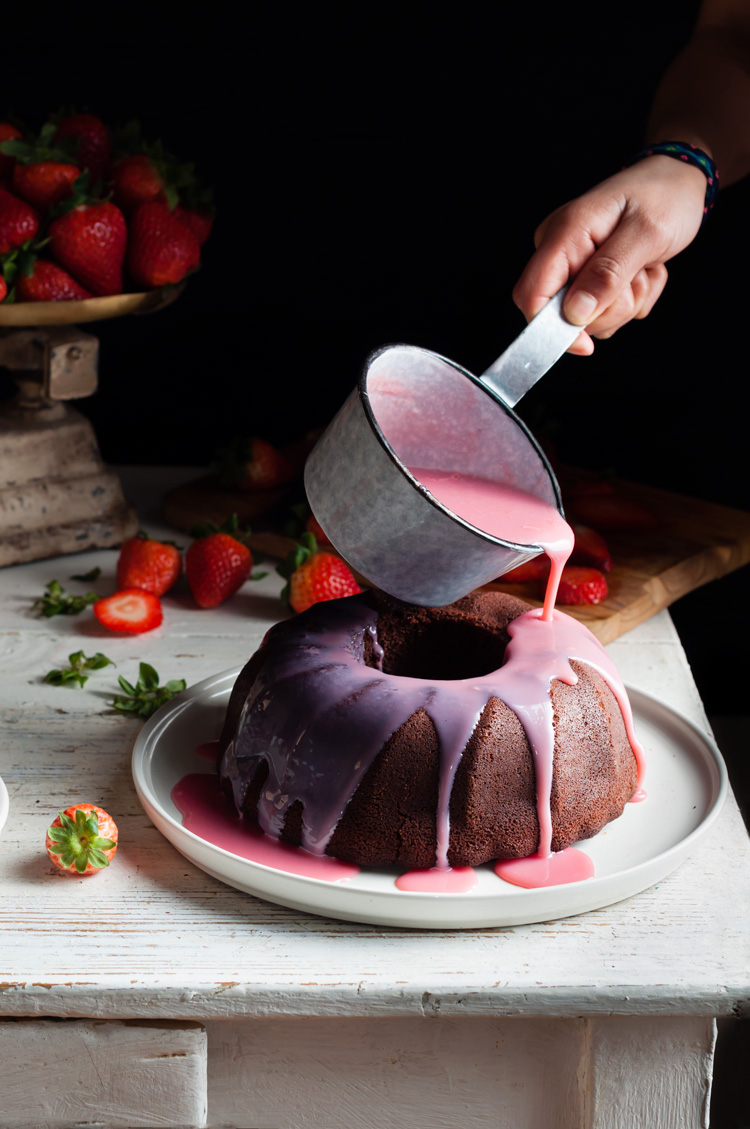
(610, 270)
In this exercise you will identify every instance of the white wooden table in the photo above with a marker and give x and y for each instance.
(154, 995)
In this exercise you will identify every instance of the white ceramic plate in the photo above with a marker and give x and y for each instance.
(686, 784)
(4, 804)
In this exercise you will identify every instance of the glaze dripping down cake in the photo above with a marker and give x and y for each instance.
(386, 734)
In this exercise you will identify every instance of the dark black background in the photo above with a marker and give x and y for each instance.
(378, 176)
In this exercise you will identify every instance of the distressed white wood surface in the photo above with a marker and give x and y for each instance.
(106, 1074)
(650, 1072)
(617, 1072)
(380, 1073)
(153, 936)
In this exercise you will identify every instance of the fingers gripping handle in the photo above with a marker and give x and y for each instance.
(534, 351)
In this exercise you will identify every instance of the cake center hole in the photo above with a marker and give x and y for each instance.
(443, 650)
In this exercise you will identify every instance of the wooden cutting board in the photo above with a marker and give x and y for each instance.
(691, 543)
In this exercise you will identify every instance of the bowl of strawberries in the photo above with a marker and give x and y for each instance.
(94, 223)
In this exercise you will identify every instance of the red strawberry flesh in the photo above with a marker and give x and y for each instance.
(130, 610)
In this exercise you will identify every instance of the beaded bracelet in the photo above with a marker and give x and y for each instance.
(681, 151)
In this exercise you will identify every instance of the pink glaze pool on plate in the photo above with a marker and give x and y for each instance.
(207, 813)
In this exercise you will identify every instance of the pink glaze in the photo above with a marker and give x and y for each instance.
(207, 813)
(439, 880)
(209, 750)
(638, 796)
(505, 512)
(570, 865)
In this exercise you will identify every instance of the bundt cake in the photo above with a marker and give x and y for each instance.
(386, 734)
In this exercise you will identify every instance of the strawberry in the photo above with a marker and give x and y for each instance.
(131, 610)
(44, 183)
(582, 586)
(136, 180)
(43, 173)
(252, 464)
(47, 282)
(89, 239)
(533, 570)
(216, 565)
(91, 138)
(8, 132)
(151, 565)
(18, 221)
(82, 840)
(3, 289)
(312, 525)
(314, 576)
(161, 250)
(590, 549)
(199, 222)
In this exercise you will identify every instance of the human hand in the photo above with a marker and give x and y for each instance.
(613, 243)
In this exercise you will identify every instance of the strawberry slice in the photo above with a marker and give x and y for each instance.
(529, 571)
(582, 586)
(131, 610)
(590, 549)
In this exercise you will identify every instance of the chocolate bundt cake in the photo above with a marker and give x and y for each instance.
(386, 734)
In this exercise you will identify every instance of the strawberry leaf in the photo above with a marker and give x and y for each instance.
(56, 601)
(147, 695)
(88, 577)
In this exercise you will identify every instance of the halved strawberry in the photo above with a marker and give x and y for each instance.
(130, 610)
(151, 565)
(590, 549)
(82, 840)
(582, 586)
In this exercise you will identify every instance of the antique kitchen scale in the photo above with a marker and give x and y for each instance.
(56, 494)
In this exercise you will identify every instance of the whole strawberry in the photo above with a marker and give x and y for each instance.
(151, 565)
(82, 840)
(8, 132)
(313, 576)
(18, 221)
(582, 586)
(48, 282)
(217, 565)
(136, 180)
(198, 221)
(313, 526)
(3, 289)
(252, 464)
(90, 240)
(161, 250)
(90, 136)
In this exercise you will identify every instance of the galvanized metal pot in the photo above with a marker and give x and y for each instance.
(415, 408)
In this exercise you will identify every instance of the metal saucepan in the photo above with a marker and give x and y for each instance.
(416, 408)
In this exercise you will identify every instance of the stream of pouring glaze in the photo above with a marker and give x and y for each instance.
(311, 763)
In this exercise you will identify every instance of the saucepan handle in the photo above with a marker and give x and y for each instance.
(534, 351)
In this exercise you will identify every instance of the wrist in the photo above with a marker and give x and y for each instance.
(684, 155)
